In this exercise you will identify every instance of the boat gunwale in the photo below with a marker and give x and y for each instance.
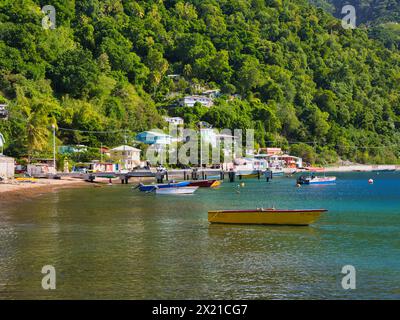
(271, 211)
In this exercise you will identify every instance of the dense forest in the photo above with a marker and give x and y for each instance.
(305, 83)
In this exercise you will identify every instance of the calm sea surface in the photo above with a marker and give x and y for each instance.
(113, 242)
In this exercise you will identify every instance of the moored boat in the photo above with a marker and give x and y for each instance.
(316, 180)
(275, 172)
(176, 190)
(266, 216)
(205, 183)
(247, 175)
(152, 187)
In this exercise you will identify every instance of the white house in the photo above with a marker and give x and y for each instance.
(190, 101)
(178, 121)
(3, 111)
(128, 157)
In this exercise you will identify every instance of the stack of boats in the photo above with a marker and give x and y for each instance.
(184, 187)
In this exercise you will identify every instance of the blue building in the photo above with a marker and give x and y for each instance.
(151, 137)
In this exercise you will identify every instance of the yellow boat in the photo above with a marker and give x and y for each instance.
(266, 216)
(248, 175)
(25, 179)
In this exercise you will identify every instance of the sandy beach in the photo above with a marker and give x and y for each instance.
(14, 190)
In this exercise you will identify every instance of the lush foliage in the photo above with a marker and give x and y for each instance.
(301, 76)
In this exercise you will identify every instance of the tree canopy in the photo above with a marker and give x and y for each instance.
(301, 77)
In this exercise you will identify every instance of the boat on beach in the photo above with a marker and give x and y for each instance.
(151, 187)
(205, 183)
(266, 216)
(176, 190)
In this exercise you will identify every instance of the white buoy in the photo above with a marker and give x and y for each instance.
(371, 181)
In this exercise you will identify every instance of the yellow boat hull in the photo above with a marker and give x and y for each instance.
(217, 183)
(248, 176)
(266, 217)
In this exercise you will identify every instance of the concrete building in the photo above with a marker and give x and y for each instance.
(128, 157)
(3, 111)
(7, 167)
(190, 101)
(178, 121)
(152, 137)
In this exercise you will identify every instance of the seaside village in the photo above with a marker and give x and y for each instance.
(127, 158)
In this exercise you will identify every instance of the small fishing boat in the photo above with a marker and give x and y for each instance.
(152, 187)
(26, 179)
(276, 172)
(176, 191)
(315, 180)
(205, 183)
(266, 216)
(247, 175)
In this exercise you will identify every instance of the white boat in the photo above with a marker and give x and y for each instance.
(181, 190)
(316, 180)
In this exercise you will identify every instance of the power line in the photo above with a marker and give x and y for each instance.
(90, 131)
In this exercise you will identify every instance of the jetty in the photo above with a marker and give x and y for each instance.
(160, 176)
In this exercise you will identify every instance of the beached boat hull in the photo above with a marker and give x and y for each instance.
(205, 183)
(266, 217)
(151, 187)
(177, 191)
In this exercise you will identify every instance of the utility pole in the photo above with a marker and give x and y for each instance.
(54, 147)
(201, 147)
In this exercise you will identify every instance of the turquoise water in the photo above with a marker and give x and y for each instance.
(113, 242)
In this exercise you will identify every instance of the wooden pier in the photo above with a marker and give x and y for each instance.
(160, 176)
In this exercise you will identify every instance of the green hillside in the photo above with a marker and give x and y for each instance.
(301, 76)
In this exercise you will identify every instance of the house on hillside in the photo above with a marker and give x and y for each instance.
(190, 101)
(178, 121)
(128, 157)
(152, 137)
(3, 112)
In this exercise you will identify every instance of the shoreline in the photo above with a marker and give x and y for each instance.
(361, 168)
(17, 191)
